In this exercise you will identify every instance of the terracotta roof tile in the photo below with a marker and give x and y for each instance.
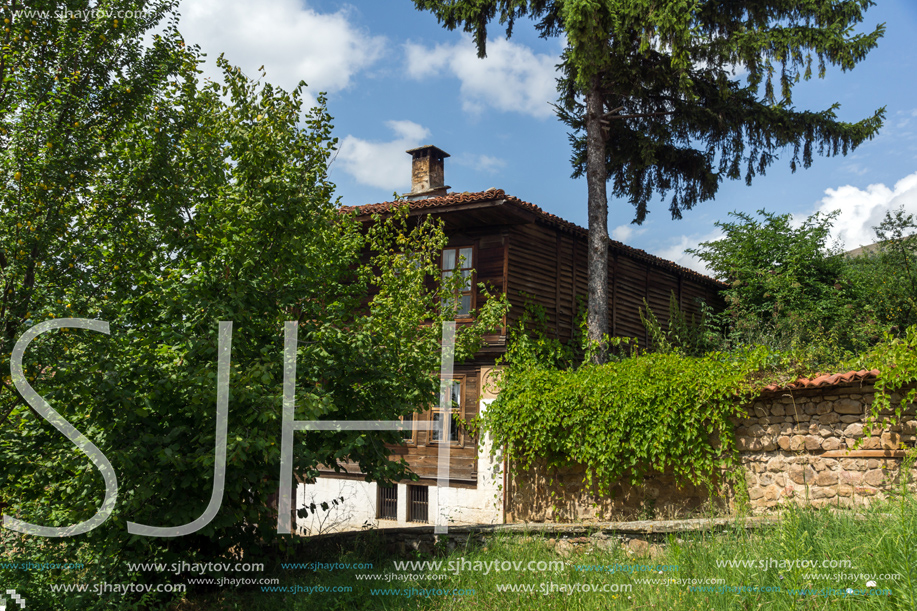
(826, 380)
(452, 199)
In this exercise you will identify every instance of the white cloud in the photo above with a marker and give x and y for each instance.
(292, 41)
(862, 209)
(675, 251)
(622, 233)
(480, 163)
(383, 164)
(511, 78)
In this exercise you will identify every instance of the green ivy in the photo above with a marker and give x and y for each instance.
(628, 418)
(645, 413)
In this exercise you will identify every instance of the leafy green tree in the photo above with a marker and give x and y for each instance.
(886, 274)
(137, 195)
(787, 283)
(651, 91)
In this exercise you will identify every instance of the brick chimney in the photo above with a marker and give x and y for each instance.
(427, 178)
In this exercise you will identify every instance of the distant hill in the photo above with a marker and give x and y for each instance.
(856, 252)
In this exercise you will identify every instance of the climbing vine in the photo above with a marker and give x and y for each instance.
(644, 413)
(638, 414)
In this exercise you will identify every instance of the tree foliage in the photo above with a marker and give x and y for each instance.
(791, 288)
(653, 93)
(135, 194)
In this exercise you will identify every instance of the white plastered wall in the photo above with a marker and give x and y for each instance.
(482, 505)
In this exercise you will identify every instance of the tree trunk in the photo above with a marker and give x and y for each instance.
(596, 178)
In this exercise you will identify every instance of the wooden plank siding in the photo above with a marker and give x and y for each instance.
(549, 265)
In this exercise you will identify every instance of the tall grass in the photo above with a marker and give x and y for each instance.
(881, 539)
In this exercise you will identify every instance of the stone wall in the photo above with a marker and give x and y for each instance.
(798, 446)
(795, 446)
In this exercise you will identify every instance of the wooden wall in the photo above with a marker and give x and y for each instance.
(550, 266)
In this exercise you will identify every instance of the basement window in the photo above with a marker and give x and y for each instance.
(418, 504)
(388, 502)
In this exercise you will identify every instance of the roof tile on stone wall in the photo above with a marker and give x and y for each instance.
(827, 380)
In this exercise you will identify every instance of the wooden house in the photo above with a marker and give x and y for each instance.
(527, 253)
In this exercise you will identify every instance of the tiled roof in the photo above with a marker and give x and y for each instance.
(455, 199)
(827, 380)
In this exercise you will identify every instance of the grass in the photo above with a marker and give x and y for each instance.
(878, 540)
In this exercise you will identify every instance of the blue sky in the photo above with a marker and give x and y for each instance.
(396, 80)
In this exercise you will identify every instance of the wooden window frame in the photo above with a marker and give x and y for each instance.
(460, 413)
(412, 440)
(471, 292)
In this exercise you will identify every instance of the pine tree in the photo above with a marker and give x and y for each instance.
(654, 93)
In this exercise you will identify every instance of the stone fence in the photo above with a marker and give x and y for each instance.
(796, 445)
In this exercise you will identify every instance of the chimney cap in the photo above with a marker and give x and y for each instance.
(422, 151)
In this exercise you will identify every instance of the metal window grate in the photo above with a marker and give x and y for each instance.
(419, 504)
(388, 502)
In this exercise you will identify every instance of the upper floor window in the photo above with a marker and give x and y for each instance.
(460, 260)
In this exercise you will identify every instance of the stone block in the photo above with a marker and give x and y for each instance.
(813, 442)
(844, 490)
(756, 430)
(783, 442)
(829, 418)
(802, 475)
(848, 419)
(850, 478)
(831, 443)
(823, 493)
(823, 408)
(776, 464)
(890, 441)
(848, 406)
(875, 477)
(777, 410)
(854, 430)
(826, 478)
(797, 443)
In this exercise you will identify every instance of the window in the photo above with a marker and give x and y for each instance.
(407, 433)
(418, 503)
(460, 260)
(456, 388)
(388, 502)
